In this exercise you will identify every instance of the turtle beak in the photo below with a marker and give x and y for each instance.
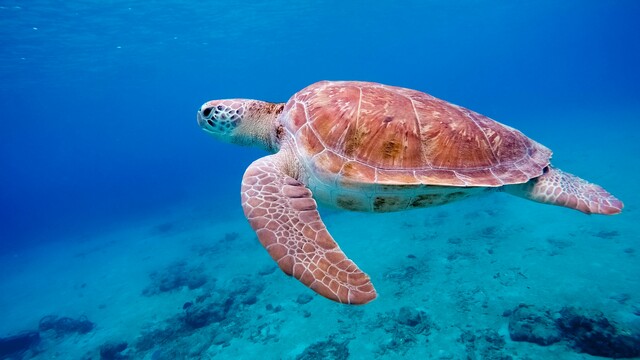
(199, 118)
(202, 122)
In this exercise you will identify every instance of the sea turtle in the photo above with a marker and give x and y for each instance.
(371, 147)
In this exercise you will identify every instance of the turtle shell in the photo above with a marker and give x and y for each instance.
(362, 133)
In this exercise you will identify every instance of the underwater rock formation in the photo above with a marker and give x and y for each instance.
(222, 314)
(244, 289)
(592, 333)
(66, 325)
(327, 349)
(585, 331)
(113, 351)
(530, 324)
(16, 345)
(156, 337)
(412, 317)
(304, 299)
(405, 327)
(200, 315)
(175, 276)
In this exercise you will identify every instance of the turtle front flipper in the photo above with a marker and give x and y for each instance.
(285, 217)
(557, 187)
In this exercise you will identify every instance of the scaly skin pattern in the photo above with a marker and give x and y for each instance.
(285, 217)
(557, 187)
(222, 116)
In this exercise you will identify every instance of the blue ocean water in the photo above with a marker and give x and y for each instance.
(99, 136)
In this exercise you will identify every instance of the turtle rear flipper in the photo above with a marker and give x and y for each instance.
(285, 217)
(557, 187)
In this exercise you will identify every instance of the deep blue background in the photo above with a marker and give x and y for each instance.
(99, 97)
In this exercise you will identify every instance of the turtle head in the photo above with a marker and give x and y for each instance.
(221, 117)
(241, 121)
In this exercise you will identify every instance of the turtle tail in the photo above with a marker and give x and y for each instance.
(557, 187)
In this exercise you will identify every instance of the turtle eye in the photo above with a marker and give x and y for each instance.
(206, 111)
